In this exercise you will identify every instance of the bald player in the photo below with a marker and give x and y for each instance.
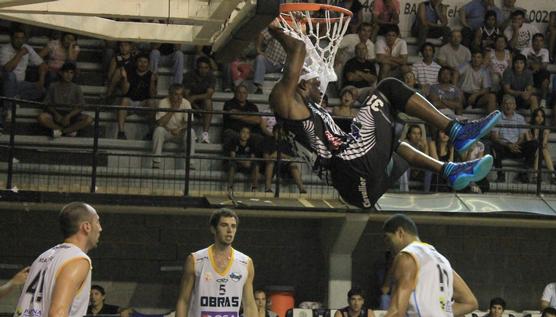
(217, 280)
(59, 280)
(424, 282)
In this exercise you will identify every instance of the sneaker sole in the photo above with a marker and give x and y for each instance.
(486, 129)
(480, 171)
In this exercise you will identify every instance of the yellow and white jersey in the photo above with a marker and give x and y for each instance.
(434, 282)
(217, 293)
(35, 299)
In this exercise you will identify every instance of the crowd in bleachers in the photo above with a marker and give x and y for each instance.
(496, 60)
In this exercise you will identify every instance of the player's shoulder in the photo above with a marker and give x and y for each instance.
(241, 257)
(200, 254)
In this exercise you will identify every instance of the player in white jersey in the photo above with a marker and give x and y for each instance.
(424, 282)
(59, 280)
(218, 280)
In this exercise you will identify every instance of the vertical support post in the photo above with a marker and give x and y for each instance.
(539, 160)
(11, 148)
(187, 153)
(93, 188)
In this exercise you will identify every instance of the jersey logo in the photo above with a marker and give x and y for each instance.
(375, 103)
(222, 280)
(235, 276)
(207, 276)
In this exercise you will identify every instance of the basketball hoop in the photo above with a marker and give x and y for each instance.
(321, 27)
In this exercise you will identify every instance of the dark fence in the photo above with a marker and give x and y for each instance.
(98, 163)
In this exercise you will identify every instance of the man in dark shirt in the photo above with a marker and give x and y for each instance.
(199, 87)
(233, 123)
(64, 93)
(97, 305)
(359, 71)
(139, 89)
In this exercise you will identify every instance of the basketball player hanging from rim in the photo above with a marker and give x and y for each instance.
(363, 164)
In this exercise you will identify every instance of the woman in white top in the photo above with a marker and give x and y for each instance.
(498, 60)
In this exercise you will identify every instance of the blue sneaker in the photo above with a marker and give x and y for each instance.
(465, 134)
(459, 175)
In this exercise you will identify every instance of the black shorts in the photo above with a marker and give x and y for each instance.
(363, 180)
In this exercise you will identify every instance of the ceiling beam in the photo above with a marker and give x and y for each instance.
(8, 3)
(112, 30)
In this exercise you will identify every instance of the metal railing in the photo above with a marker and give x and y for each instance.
(208, 177)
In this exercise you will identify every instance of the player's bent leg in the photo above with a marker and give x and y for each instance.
(459, 175)
(464, 134)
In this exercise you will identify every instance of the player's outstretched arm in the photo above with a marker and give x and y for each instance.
(283, 98)
(18, 279)
(249, 304)
(186, 287)
(464, 299)
(404, 274)
(69, 281)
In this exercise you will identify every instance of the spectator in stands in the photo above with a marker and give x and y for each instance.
(234, 123)
(519, 32)
(97, 305)
(409, 79)
(240, 149)
(270, 148)
(497, 61)
(426, 71)
(548, 298)
(199, 88)
(346, 49)
(486, 35)
(416, 137)
(385, 13)
(445, 96)
(508, 7)
(169, 55)
(14, 58)
(518, 82)
(206, 51)
(139, 89)
(441, 149)
(172, 126)
(270, 59)
(537, 60)
(475, 83)
(391, 53)
(551, 34)
(431, 22)
(356, 305)
(453, 54)
(345, 109)
(126, 59)
(356, 8)
(496, 308)
(472, 17)
(510, 142)
(360, 72)
(549, 312)
(57, 52)
(262, 307)
(538, 117)
(241, 69)
(476, 151)
(64, 93)
(16, 280)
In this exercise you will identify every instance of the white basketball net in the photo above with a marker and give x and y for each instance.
(321, 41)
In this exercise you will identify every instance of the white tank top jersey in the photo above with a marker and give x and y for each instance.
(217, 293)
(35, 299)
(434, 290)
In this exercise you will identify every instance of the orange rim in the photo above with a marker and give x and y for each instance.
(291, 7)
(288, 7)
